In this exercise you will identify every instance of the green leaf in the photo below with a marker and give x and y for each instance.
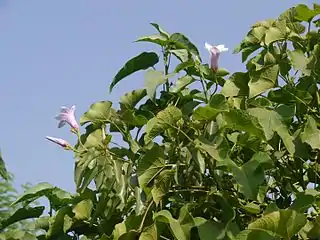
(205, 113)
(271, 123)
(158, 39)
(21, 214)
(98, 113)
(254, 234)
(165, 119)
(284, 223)
(237, 85)
(182, 54)
(299, 61)
(311, 133)
(3, 171)
(151, 166)
(35, 192)
(274, 34)
(162, 185)
(60, 223)
(131, 99)
(262, 80)
(152, 80)
(83, 209)
(303, 13)
(181, 83)
(149, 233)
(216, 149)
(241, 120)
(160, 30)
(166, 217)
(249, 176)
(140, 62)
(181, 41)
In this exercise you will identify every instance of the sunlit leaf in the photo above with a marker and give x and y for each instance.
(140, 62)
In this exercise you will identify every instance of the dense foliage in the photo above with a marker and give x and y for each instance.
(237, 158)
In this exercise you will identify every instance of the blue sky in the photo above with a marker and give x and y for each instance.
(55, 53)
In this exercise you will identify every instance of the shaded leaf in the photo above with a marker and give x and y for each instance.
(130, 99)
(284, 223)
(271, 123)
(181, 41)
(35, 192)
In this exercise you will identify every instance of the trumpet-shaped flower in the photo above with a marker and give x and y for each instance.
(59, 141)
(214, 52)
(67, 116)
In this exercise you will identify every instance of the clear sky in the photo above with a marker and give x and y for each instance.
(55, 53)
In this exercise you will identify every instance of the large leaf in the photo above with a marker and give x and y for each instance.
(140, 62)
(311, 133)
(255, 234)
(165, 119)
(299, 61)
(249, 176)
(237, 85)
(274, 34)
(241, 120)
(304, 13)
(284, 223)
(35, 192)
(152, 80)
(181, 41)
(151, 166)
(262, 80)
(21, 214)
(271, 123)
(98, 113)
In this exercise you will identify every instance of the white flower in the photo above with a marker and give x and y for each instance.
(214, 52)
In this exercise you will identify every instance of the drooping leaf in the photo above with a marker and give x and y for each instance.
(284, 223)
(271, 123)
(165, 119)
(35, 192)
(21, 214)
(255, 234)
(311, 133)
(140, 62)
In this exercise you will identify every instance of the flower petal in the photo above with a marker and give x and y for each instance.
(221, 48)
(62, 123)
(208, 46)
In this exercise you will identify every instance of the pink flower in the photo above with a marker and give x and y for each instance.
(214, 52)
(59, 141)
(67, 116)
